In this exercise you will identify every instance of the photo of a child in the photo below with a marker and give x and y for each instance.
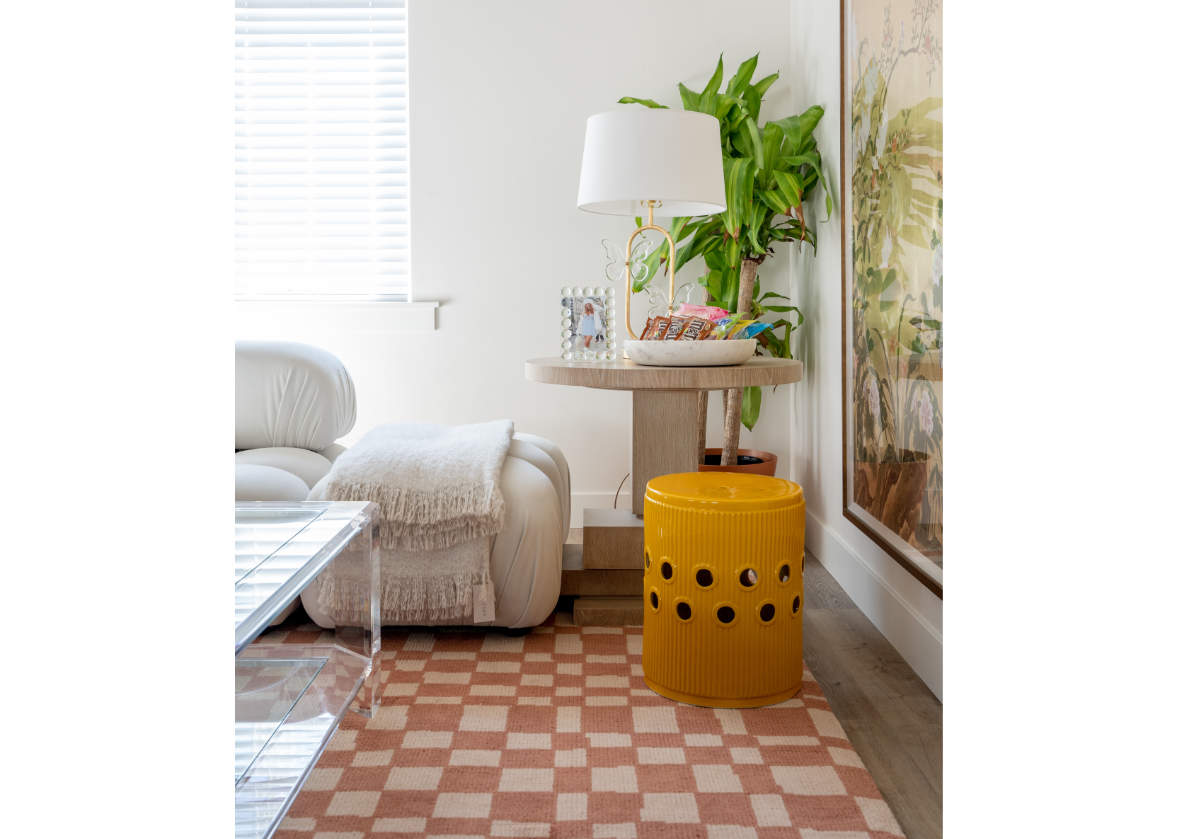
(585, 334)
(587, 324)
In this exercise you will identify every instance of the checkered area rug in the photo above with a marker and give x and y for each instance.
(555, 734)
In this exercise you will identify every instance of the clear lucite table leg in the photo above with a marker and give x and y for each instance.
(360, 633)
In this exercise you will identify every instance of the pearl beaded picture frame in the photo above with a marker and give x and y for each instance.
(588, 323)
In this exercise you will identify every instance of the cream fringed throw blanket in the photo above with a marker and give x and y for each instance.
(438, 489)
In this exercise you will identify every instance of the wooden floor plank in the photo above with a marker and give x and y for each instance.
(891, 717)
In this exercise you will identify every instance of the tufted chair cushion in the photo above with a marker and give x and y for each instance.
(290, 395)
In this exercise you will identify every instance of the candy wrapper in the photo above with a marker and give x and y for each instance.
(735, 328)
(711, 313)
(696, 329)
(675, 328)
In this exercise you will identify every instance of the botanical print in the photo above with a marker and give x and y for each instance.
(892, 65)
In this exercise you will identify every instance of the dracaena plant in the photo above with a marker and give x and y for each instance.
(769, 171)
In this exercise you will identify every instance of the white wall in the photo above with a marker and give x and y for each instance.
(906, 612)
(500, 96)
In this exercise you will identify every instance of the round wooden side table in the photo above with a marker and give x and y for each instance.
(665, 437)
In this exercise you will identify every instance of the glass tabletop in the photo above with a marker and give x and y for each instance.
(280, 547)
(266, 691)
(289, 702)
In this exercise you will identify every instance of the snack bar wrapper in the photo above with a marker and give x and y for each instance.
(734, 328)
(750, 331)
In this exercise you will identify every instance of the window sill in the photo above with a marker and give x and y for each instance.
(380, 315)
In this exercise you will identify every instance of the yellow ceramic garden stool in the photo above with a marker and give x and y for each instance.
(723, 590)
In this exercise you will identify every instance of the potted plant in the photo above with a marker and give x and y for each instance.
(769, 170)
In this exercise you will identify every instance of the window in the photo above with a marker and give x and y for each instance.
(321, 151)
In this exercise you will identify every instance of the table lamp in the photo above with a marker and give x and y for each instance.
(637, 160)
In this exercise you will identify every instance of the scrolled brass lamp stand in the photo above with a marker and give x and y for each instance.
(650, 225)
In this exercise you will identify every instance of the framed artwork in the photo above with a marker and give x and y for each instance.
(891, 169)
(588, 324)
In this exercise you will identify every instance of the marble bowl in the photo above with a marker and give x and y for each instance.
(691, 353)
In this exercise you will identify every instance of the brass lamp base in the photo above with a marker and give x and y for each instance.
(650, 225)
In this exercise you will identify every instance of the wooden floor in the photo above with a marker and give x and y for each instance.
(892, 719)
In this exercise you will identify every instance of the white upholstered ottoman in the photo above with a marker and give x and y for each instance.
(293, 401)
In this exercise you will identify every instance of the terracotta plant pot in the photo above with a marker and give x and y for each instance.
(765, 464)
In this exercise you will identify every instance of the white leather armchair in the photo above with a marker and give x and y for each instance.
(293, 401)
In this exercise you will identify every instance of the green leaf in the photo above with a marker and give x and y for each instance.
(689, 98)
(739, 186)
(789, 186)
(774, 199)
(725, 104)
(751, 403)
(733, 258)
(760, 86)
(753, 103)
(741, 79)
(772, 138)
(633, 100)
(714, 82)
(749, 130)
(757, 213)
(797, 129)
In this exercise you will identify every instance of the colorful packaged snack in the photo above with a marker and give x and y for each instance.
(676, 326)
(712, 313)
(728, 327)
(648, 329)
(750, 331)
(660, 328)
(691, 331)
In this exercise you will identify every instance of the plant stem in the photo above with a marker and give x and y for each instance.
(733, 396)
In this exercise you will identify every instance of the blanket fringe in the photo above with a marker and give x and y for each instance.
(411, 600)
(412, 519)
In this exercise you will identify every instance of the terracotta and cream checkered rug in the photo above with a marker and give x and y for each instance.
(554, 734)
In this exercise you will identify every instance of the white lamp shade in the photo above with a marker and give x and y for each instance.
(637, 154)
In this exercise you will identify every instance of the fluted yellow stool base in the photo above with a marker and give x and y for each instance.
(723, 590)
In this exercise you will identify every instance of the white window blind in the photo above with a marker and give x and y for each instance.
(321, 171)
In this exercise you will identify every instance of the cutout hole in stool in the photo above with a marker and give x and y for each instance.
(766, 612)
(748, 578)
(785, 572)
(683, 610)
(667, 570)
(725, 614)
(704, 578)
(795, 604)
(647, 560)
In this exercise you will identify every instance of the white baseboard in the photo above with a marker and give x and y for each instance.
(914, 637)
(603, 500)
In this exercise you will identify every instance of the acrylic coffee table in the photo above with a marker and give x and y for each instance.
(291, 697)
